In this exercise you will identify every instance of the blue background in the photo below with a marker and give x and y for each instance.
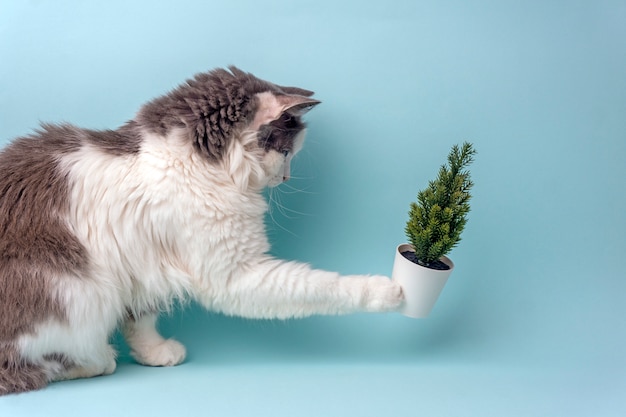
(532, 321)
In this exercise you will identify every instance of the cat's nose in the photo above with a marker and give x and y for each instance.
(286, 170)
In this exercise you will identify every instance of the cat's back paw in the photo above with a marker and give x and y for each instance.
(170, 352)
(383, 294)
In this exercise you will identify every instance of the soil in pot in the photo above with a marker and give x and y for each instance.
(438, 265)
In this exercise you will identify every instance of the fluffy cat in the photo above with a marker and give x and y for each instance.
(106, 228)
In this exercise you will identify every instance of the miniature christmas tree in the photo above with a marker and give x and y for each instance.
(440, 214)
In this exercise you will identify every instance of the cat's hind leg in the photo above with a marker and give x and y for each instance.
(17, 374)
(63, 370)
(148, 347)
(65, 352)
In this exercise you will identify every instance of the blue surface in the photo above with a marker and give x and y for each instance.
(532, 321)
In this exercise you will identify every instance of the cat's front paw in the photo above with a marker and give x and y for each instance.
(167, 353)
(383, 294)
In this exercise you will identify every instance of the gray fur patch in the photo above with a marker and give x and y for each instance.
(279, 135)
(123, 141)
(17, 375)
(65, 138)
(61, 359)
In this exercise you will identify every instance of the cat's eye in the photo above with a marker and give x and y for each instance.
(285, 153)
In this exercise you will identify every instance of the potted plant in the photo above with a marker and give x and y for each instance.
(434, 227)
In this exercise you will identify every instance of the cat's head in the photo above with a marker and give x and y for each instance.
(251, 127)
(279, 130)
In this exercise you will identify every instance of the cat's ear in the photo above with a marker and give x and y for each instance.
(297, 91)
(271, 107)
(297, 105)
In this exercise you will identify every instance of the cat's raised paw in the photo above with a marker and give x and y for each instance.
(167, 353)
(383, 294)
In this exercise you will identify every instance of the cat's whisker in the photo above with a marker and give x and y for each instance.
(294, 190)
(300, 178)
(282, 208)
(276, 204)
(296, 178)
(283, 227)
(291, 213)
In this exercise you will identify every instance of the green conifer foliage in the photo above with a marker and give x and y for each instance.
(440, 214)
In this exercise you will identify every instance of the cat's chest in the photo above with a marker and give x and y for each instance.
(198, 198)
(163, 196)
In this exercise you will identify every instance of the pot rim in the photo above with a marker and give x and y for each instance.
(403, 247)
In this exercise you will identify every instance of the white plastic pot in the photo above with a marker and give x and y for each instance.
(421, 285)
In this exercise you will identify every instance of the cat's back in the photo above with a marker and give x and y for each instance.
(33, 179)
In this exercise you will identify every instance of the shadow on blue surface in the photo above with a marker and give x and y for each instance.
(361, 338)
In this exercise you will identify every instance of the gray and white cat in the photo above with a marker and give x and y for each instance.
(106, 228)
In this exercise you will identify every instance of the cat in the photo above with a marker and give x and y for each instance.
(105, 229)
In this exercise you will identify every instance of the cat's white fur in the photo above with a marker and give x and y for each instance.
(167, 224)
